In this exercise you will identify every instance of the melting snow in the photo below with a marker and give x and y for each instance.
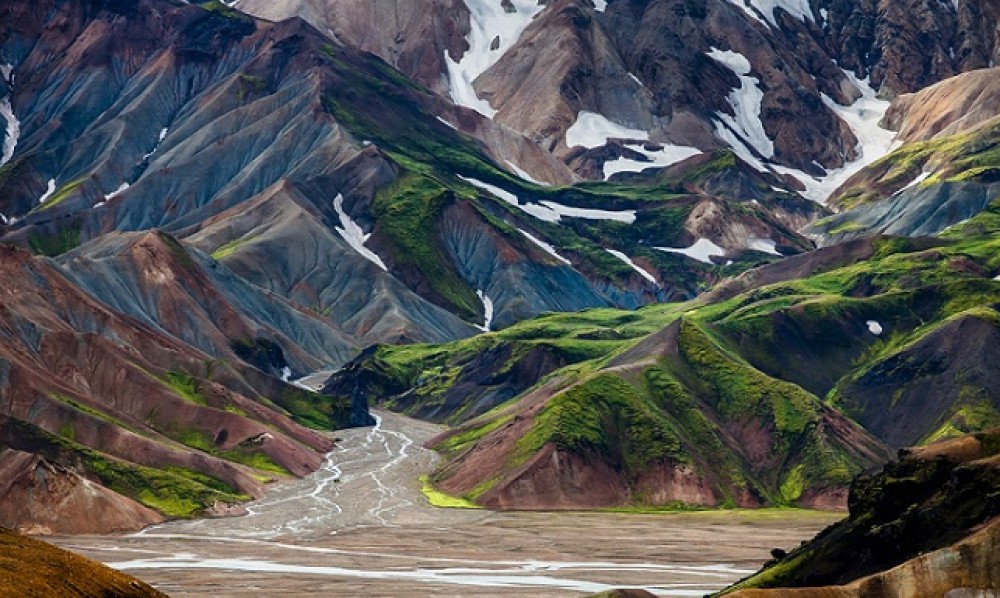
(797, 8)
(593, 130)
(524, 175)
(762, 245)
(487, 310)
(635, 267)
(874, 142)
(669, 155)
(489, 22)
(544, 246)
(550, 211)
(354, 235)
(13, 128)
(920, 178)
(13, 131)
(746, 102)
(446, 123)
(702, 250)
(874, 327)
(48, 192)
(121, 189)
(159, 141)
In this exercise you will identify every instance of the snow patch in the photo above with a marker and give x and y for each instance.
(635, 266)
(923, 176)
(755, 8)
(49, 191)
(544, 246)
(354, 235)
(121, 189)
(702, 250)
(874, 142)
(487, 311)
(874, 327)
(446, 123)
(668, 156)
(594, 130)
(524, 175)
(763, 245)
(746, 103)
(550, 211)
(159, 141)
(13, 127)
(602, 5)
(13, 131)
(490, 24)
(286, 374)
(4, 219)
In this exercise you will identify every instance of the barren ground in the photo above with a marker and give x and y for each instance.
(360, 526)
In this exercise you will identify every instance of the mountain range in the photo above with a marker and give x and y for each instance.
(635, 252)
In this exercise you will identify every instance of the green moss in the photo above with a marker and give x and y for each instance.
(185, 386)
(61, 194)
(439, 499)
(230, 248)
(408, 213)
(55, 244)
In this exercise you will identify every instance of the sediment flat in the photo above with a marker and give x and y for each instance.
(361, 526)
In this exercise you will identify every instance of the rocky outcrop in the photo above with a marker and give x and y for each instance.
(29, 567)
(926, 525)
(903, 46)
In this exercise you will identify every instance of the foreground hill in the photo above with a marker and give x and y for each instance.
(32, 568)
(928, 525)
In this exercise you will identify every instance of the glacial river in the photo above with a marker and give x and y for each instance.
(360, 526)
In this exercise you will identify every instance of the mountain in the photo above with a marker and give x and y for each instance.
(33, 568)
(926, 524)
(102, 399)
(771, 80)
(738, 397)
(945, 172)
(654, 253)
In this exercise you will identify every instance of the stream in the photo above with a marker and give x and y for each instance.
(360, 525)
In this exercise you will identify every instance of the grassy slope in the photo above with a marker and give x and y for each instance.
(966, 156)
(729, 363)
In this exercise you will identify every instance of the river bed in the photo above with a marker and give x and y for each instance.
(361, 526)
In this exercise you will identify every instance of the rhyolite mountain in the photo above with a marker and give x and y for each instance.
(777, 387)
(199, 206)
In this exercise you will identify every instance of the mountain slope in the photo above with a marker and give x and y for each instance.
(138, 411)
(407, 220)
(689, 402)
(927, 524)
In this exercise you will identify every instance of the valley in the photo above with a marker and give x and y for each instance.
(373, 533)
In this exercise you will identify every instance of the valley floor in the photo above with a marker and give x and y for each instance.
(360, 526)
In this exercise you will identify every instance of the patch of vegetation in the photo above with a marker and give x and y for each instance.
(439, 499)
(55, 244)
(185, 386)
